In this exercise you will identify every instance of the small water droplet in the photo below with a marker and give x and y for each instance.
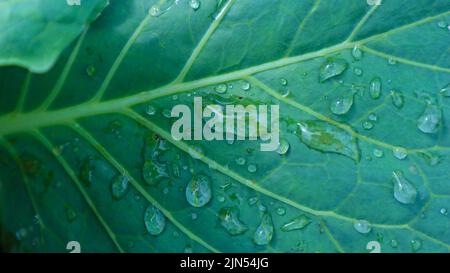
(332, 68)
(155, 11)
(150, 110)
(221, 88)
(373, 117)
(430, 120)
(375, 88)
(154, 220)
(240, 161)
(443, 211)
(367, 125)
(194, 4)
(357, 71)
(445, 91)
(198, 191)
(167, 113)
(394, 243)
(357, 53)
(91, 71)
(119, 186)
(245, 85)
(253, 200)
(297, 223)
(404, 191)
(342, 104)
(416, 244)
(392, 61)
(362, 226)
(378, 153)
(281, 211)
(442, 24)
(397, 99)
(400, 153)
(264, 233)
(252, 168)
(194, 216)
(283, 82)
(71, 214)
(86, 174)
(229, 220)
(283, 147)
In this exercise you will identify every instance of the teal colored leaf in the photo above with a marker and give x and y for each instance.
(35, 32)
(87, 155)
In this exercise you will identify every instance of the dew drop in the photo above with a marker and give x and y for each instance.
(229, 220)
(264, 233)
(397, 99)
(332, 68)
(150, 110)
(373, 117)
(154, 220)
(367, 125)
(443, 211)
(445, 91)
(283, 82)
(342, 104)
(240, 161)
(91, 71)
(86, 174)
(432, 159)
(416, 244)
(221, 88)
(253, 200)
(357, 71)
(167, 113)
(245, 85)
(324, 137)
(394, 243)
(442, 24)
(155, 11)
(300, 222)
(392, 61)
(362, 226)
(198, 191)
(375, 88)
(194, 4)
(357, 53)
(430, 120)
(404, 191)
(119, 186)
(283, 147)
(400, 153)
(378, 153)
(252, 168)
(281, 211)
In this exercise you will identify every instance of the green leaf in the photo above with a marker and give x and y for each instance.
(35, 32)
(87, 153)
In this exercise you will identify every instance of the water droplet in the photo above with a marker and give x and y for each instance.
(91, 71)
(86, 174)
(342, 104)
(367, 125)
(324, 137)
(229, 219)
(283, 82)
(373, 117)
(362, 226)
(253, 200)
(442, 24)
(167, 113)
(357, 53)
(198, 191)
(443, 211)
(21, 234)
(416, 244)
(430, 120)
(432, 159)
(119, 186)
(264, 233)
(375, 88)
(397, 99)
(445, 91)
(194, 4)
(245, 85)
(252, 168)
(154, 220)
(392, 61)
(400, 153)
(297, 223)
(194, 216)
(281, 211)
(378, 153)
(150, 110)
(357, 71)
(404, 191)
(240, 161)
(221, 88)
(155, 11)
(153, 172)
(188, 249)
(221, 198)
(332, 68)
(394, 243)
(283, 147)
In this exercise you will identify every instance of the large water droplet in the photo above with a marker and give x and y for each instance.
(264, 233)
(430, 119)
(154, 220)
(375, 88)
(119, 186)
(342, 104)
(229, 220)
(404, 191)
(362, 226)
(155, 11)
(198, 191)
(299, 222)
(324, 137)
(332, 68)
